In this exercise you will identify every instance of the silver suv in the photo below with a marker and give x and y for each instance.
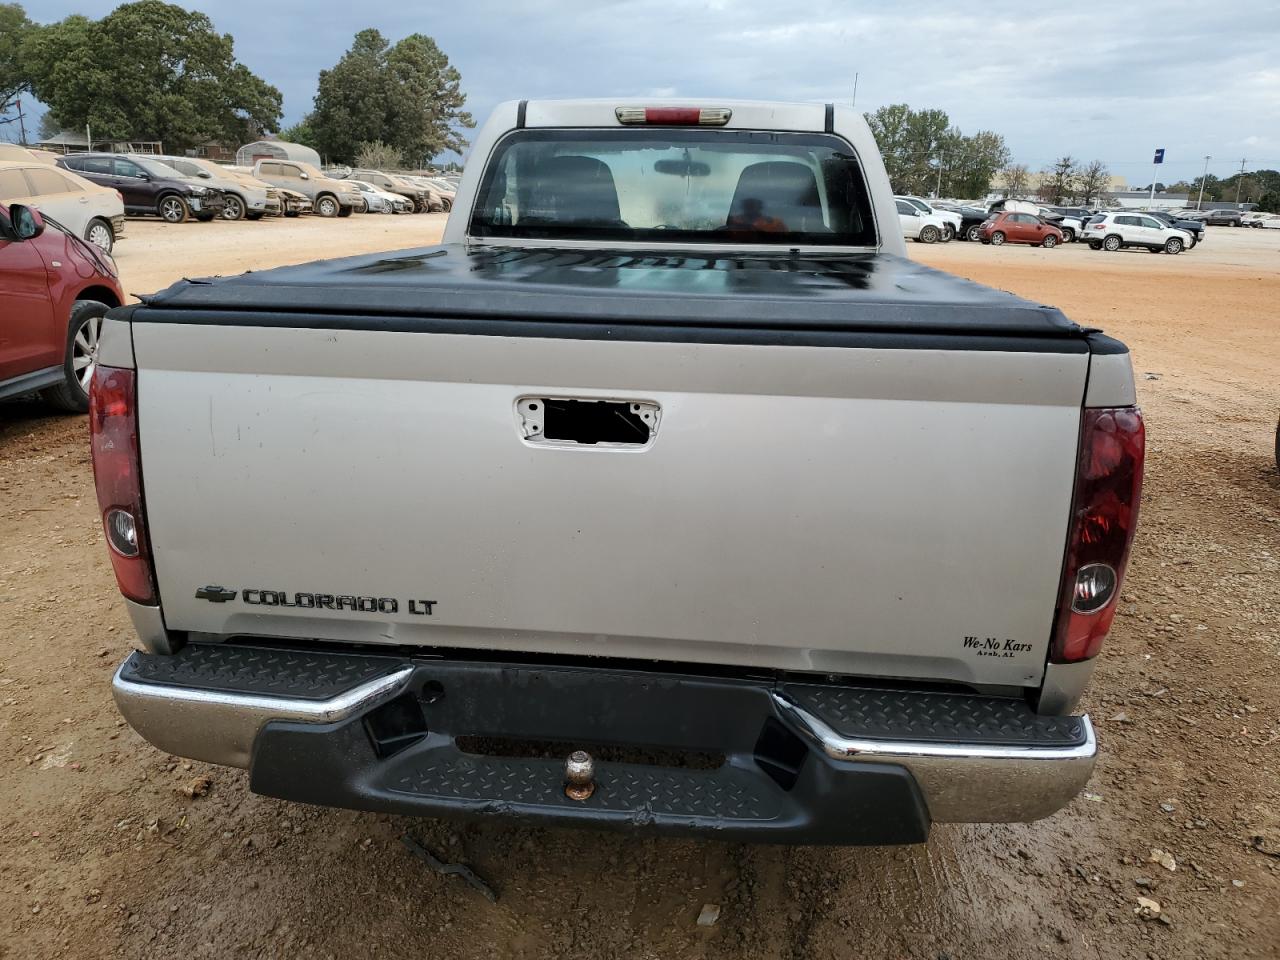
(245, 197)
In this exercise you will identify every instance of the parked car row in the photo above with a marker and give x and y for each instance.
(148, 186)
(244, 197)
(1025, 221)
(425, 194)
(180, 188)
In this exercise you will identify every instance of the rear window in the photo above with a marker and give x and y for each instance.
(13, 184)
(665, 185)
(47, 180)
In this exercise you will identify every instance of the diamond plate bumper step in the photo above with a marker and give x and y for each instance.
(803, 762)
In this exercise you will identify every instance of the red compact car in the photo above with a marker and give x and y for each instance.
(1003, 227)
(54, 291)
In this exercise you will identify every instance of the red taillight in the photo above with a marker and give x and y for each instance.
(117, 475)
(675, 116)
(1103, 519)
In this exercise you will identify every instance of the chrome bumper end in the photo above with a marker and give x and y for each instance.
(968, 782)
(220, 727)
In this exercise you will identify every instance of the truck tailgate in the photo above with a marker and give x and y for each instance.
(882, 510)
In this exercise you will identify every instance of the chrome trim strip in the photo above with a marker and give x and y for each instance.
(967, 782)
(1063, 686)
(220, 727)
(840, 747)
(148, 623)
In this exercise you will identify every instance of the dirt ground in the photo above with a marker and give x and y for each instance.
(102, 854)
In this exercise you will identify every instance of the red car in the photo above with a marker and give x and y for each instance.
(54, 291)
(1003, 227)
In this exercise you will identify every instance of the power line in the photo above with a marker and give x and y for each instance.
(1121, 163)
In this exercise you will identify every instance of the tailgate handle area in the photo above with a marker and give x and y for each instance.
(587, 421)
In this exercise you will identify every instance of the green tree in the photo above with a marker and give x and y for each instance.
(377, 155)
(969, 163)
(350, 101)
(1256, 186)
(14, 29)
(909, 142)
(425, 100)
(151, 71)
(1192, 188)
(406, 95)
(49, 125)
(301, 132)
(923, 152)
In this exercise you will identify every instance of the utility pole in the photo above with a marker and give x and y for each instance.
(1204, 176)
(937, 191)
(22, 126)
(1240, 180)
(855, 90)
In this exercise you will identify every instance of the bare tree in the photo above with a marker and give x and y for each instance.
(1017, 179)
(1092, 182)
(1059, 182)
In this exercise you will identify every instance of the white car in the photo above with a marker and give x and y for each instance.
(90, 211)
(1113, 231)
(922, 227)
(950, 219)
(1272, 223)
(1071, 227)
(1256, 218)
(375, 200)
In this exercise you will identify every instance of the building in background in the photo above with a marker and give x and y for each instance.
(271, 149)
(999, 188)
(69, 141)
(1142, 200)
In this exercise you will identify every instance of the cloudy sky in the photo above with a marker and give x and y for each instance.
(1095, 81)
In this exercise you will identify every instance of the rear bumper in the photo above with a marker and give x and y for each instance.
(790, 762)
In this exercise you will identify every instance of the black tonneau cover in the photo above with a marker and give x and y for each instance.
(742, 298)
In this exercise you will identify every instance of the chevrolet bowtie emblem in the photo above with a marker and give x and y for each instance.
(215, 594)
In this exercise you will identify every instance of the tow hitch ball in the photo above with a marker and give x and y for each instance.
(579, 775)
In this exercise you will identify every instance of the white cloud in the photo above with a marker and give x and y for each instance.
(1095, 79)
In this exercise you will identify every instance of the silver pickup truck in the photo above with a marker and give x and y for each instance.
(665, 494)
